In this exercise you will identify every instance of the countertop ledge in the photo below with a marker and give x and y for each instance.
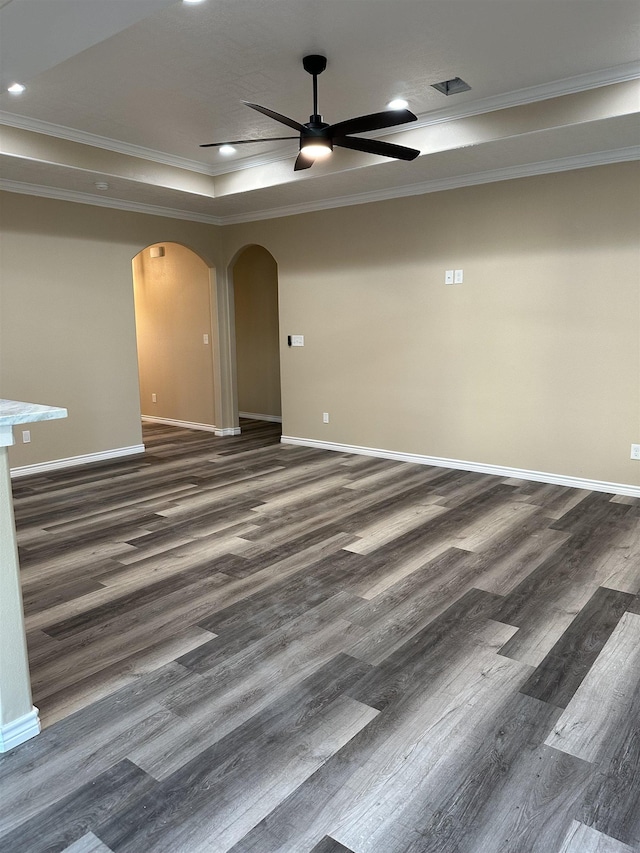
(17, 412)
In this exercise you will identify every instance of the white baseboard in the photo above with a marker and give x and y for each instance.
(192, 425)
(254, 416)
(482, 468)
(18, 731)
(183, 424)
(72, 461)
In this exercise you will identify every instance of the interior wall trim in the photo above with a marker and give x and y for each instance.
(533, 94)
(72, 461)
(526, 170)
(103, 201)
(518, 97)
(72, 134)
(464, 465)
(184, 424)
(192, 425)
(254, 416)
(18, 731)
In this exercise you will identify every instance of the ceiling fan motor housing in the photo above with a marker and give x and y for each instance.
(316, 129)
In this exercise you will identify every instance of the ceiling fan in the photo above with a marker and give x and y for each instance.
(317, 138)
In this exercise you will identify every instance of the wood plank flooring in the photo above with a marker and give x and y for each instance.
(238, 645)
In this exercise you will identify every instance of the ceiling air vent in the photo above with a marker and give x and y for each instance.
(451, 87)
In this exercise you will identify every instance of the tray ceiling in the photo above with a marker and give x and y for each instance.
(123, 93)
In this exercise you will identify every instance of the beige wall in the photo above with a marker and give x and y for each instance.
(255, 287)
(533, 363)
(67, 329)
(173, 314)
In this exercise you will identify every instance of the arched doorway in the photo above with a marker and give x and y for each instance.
(172, 294)
(255, 288)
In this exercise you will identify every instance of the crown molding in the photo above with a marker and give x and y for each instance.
(532, 94)
(103, 201)
(82, 137)
(519, 97)
(526, 170)
(581, 161)
(71, 134)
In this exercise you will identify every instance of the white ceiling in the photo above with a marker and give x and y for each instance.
(123, 91)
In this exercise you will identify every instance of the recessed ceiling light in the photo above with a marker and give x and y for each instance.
(192, 2)
(227, 149)
(16, 88)
(101, 185)
(398, 104)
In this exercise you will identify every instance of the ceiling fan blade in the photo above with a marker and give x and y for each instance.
(290, 122)
(303, 162)
(245, 141)
(373, 146)
(375, 121)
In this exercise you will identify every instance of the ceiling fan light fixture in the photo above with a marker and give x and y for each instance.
(316, 149)
(16, 88)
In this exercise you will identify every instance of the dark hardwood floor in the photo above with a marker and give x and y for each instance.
(238, 645)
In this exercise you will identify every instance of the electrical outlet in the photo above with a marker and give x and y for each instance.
(205, 339)
(26, 436)
(297, 340)
(635, 451)
(154, 398)
(325, 417)
(458, 276)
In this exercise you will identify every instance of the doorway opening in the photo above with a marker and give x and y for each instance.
(172, 293)
(257, 334)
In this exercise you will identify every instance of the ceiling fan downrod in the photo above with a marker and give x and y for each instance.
(315, 64)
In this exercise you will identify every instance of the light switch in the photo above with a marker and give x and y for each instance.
(448, 276)
(297, 340)
(205, 339)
